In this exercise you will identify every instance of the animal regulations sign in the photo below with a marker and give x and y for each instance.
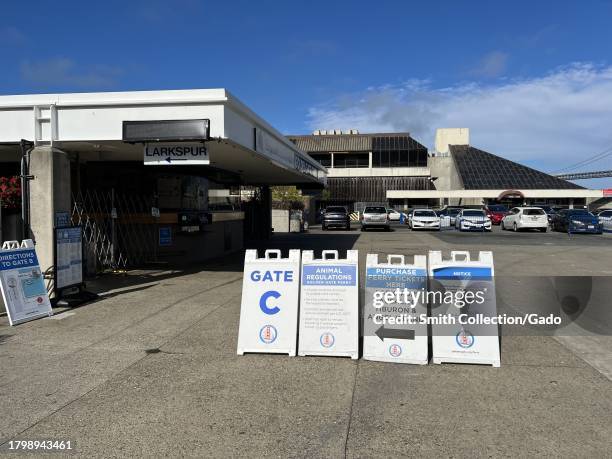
(395, 310)
(22, 283)
(462, 300)
(269, 306)
(329, 305)
(165, 154)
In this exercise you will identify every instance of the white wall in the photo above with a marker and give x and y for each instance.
(451, 136)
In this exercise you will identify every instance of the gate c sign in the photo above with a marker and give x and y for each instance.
(269, 308)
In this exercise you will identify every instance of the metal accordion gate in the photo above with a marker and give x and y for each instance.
(119, 231)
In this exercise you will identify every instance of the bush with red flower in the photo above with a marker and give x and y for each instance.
(10, 192)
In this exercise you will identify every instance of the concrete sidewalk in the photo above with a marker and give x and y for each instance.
(151, 370)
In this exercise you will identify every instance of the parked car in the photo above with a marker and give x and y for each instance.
(374, 217)
(472, 220)
(451, 212)
(496, 212)
(424, 219)
(550, 212)
(605, 219)
(408, 217)
(394, 215)
(525, 217)
(576, 221)
(336, 216)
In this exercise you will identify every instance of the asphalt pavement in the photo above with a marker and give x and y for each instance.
(150, 369)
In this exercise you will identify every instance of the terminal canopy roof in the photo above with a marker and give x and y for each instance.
(91, 124)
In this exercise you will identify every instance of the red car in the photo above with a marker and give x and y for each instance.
(496, 212)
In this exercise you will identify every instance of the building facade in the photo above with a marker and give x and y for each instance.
(362, 168)
(397, 170)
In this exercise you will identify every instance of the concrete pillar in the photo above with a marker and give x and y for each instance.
(49, 193)
(370, 160)
(332, 160)
(571, 203)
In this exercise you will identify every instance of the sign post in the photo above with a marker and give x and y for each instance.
(329, 305)
(394, 302)
(463, 296)
(269, 306)
(22, 283)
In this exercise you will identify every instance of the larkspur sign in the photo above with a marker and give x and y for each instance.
(158, 154)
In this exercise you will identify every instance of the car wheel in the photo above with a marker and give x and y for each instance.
(514, 227)
(348, 227)
(503, 227)
(543, 230)
(323, 227)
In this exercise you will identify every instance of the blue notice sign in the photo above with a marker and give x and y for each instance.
(165, 236)
(330, 275)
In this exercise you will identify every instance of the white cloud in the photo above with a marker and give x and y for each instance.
(65, 72)
(548, 122)
(492, 65)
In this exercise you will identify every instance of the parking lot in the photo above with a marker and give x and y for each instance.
(151, 369)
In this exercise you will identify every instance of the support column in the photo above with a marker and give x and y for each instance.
(49, 193)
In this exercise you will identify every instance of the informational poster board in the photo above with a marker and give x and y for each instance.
(269, 306)
(329, 305)
(463, 297)
(165, 236)
(395, 309)
(68, 256)
(22, 283)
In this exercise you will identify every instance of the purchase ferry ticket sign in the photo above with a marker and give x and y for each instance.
(395, 310)
(329, 305)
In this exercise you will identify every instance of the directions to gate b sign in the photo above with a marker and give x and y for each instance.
(269, 307)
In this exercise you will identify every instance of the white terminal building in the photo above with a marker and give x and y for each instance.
(86, 162)
(396, 169)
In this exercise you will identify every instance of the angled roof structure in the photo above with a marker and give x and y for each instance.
(481, 170)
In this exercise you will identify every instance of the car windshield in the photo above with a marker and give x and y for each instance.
(606, 213)
(473, 213)
(453, 211)
(424, 213)
(534, 212)
(498, 208)
(581, 212)
(547, 209)
(392, 211)
(374, 210)
(336, 210)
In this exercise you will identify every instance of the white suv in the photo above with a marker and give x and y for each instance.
(525, 217)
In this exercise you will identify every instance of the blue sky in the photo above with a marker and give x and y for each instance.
(532, 80)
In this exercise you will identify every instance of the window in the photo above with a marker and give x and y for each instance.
(342, 160)
(322, 158)
(534, 212)
(374, 210)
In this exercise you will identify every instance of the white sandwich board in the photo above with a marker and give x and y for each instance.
(329, 305)
(22, 283)
(394, 329)
(466, 298)
(269, 306)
